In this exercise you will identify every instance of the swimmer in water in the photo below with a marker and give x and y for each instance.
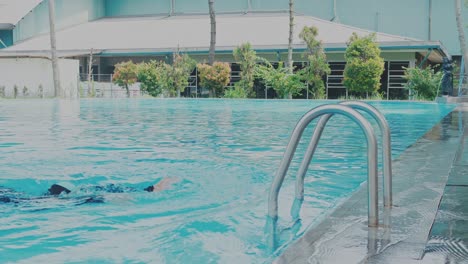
(56, 190)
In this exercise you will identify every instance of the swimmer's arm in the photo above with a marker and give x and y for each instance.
(164, 184)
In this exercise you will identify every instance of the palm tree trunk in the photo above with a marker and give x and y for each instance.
(53, 46)
(461, 33)
(291, 36)
(90, 74)
(211, 56)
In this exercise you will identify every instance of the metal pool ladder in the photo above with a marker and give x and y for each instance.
(326, 112)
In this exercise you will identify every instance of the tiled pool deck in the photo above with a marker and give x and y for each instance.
(432, 172)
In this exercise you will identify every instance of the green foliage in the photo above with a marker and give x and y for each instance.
(158, 77)
(2, 91)
(455, 71)
(364, 66)
(247, 59)
(309, 36)
(375, 96)
(91, 89)
(280, 79)
(423, 83)
(125, 74)
(151, 76)
(215, 77)
(179, 73)
(237, 92)
(317, 65)
(81, 90)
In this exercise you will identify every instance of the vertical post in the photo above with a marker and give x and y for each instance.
(461, 31)
(172, 12)
(53, 46)
(429, 28)
(335, 13)
(111, 86)
(388, 80)
(90, 73)
(290, 40)
(462, 76)
(328, 76)
(196, 82)
(211, 56)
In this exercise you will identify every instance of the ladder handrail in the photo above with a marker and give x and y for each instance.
(386, 151)
(291, 148)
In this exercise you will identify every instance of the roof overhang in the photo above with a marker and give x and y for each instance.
(12, 11)
(6, 26)
(190, 34)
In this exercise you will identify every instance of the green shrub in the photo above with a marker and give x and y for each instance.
(422, 83)
(237, 92)
(247, 59)
(280, 79)
(364, 66)
(317, 65)
(215, 77)
(125, 74)
(179, 73)
(151, 75)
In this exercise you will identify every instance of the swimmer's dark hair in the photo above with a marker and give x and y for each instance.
(149, 188)
(57, 190)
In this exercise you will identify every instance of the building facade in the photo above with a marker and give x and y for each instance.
(410, 33)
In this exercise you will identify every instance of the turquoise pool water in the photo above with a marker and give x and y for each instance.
(223, 154)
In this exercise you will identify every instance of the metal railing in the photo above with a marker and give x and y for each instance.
(326, 112)
(105, 78)
(386, 149)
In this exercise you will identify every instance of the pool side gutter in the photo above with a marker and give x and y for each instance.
(419, 177)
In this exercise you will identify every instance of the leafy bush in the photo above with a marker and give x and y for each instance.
(215, 77)
(364, 66)
(179, 74)
(151, 75)
(317, 65)
(237, 92)
(158, 77)
(247, 59)
(125, 74)
(280, 79)
(423, 83)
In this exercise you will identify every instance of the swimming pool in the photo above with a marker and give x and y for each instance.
(223, 152)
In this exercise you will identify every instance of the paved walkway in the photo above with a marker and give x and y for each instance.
(448, 240)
